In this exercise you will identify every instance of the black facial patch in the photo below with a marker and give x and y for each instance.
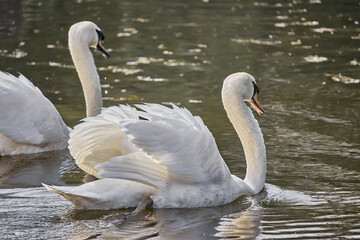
(256, 89)
(100, 35)
(99, 46)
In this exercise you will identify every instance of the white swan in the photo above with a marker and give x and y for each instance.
(166, 154)
(29, 122)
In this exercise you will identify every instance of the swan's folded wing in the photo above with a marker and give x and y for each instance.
(135, 167)
(26, 115)
(178, 141)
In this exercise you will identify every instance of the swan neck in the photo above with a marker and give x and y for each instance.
(251, 139)
(89, 78)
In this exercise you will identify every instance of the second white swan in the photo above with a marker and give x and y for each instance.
(29, 122)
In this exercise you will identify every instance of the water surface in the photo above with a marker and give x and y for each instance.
(305, 57)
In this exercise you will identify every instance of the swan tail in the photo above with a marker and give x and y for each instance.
(104, 194)
(80, 201)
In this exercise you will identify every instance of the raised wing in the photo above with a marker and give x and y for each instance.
(101, 149)
(155, 145)
(178, 141)
(26, 115)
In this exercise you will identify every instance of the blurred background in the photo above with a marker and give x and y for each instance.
(305, 57)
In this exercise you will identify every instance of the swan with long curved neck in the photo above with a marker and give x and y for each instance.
(82, 36)
(166, 154)
(29, 122)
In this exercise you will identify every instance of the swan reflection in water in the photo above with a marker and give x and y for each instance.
(241, 225)
(32, 169)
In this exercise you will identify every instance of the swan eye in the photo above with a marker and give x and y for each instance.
(256, 89)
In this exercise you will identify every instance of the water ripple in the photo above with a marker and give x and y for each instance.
(17, 53)
(343, 79)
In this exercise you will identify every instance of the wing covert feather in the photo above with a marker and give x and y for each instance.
(179, 141)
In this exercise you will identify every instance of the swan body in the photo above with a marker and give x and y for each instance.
(29, 122)
(165, 153)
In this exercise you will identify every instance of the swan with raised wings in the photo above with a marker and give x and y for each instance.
(29, 122)
(166, 154)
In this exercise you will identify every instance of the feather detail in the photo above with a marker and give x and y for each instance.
(28, 117)
(98, 139)
(178, 141)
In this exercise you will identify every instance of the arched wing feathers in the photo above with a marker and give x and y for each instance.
(179, 141)
(101, 149)
(151, 144)
(26, 115)
(98, 139)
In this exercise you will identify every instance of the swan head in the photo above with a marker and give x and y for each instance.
(243, 86)
(88, 34)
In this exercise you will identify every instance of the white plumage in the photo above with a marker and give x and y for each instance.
(29, 122)
(165, 153)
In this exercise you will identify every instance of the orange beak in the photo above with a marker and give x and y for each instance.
(255, 104)
(100, 48)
